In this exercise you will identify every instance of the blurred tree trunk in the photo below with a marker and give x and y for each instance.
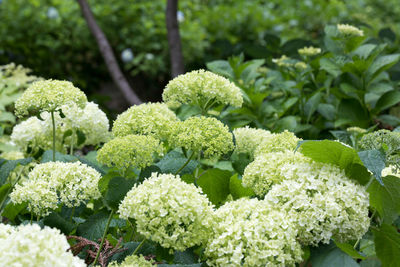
(174, 39)
(108, 55)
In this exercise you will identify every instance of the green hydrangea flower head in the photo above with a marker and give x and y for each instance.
(261, 174)
(203, 135)
(130, 151)
(154, 119)
(133, 261)
(30, 246)
(326, 204)
(278, 142)
(309, 51)
(249, 232)
(349, 30)
(52, 183)
(248, 139)
(169, 211)
(201, 88)
(49, 95)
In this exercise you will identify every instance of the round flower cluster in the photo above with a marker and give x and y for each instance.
(248, 139)
(133, 261)
(203, 135)
(283, 61)
(249, 232)
(309, 51)
(52, 183)
(154, 119)
(12, 155)
(30, 246)
(277, 142)
(49, 95)
(169, 211)
(326, 203)
(201, 88)
(349, 30)
(265, 170)
(300, 65)
(388, 140)
(130, 151)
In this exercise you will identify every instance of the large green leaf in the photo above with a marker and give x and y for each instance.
(386, 199)
(94, 226)
(173, 161)
(387, 100)
(215, 184)
(54, 220)
(48, 157)
(330, 66)
(382, 63)
(117, 189)
(350, 111)
(311, 105)
(387, 245)
(9, 166)
(350, 250)
(331, 256)
(237, 190)
(374, 160)
(221, 67)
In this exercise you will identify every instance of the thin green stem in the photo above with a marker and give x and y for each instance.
(31, 218)
(72, 214)
(186, 163)
(139, 246)
(104, 237)
(71, 149)
(54, 135)
(9, 190)
(196, 172)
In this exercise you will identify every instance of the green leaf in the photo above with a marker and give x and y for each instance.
(386, 101)
(130, 247)
(12, 210)
(330, 67)
(328, 111)
(237, 190)
(4, 189)
(386, 199)
(215, 184)
(180, 265)
(173, 161)
(286, 123)
(350, 111)
(371, 262)
(382, 63)
(9, 166)
(103, 182)
(94, 226)
(221, 67)
(185, 257)
(387, 245)
(331, 256)
(146, 172)
(374, 160)
(349, 250)
(48, 157)
(81, 137)
(240, 162)
(311, 105)
(54, 220)
(117, 189)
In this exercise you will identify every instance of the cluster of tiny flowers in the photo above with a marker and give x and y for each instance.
(154, 119)
(391, 170)
(12, 155)
(383, 139)
(169, 211)
(278, 142)
(248, 139)
(249, 232)
(203, 135)
(300, 65)
(309, 51)
(52, 183)
(265, 170)
(200, 87)
(133, 261)
(324, 201)
(356, 130)
(130, 151)
(349, 30)
(283, 61)
(49, 95)
(30, 246)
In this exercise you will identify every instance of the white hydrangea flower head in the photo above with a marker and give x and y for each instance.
(49, 95)
(326, 203)
(391, 170)
(169, 211)
(130, 151)
(52, 183)
(309, 51)
(154, 119)
(133, 261)
(278, 142)
(6, 230)
(249, 232)
(30, 246)
(248, 139)
(201, 88)
(349, 30)
(205, 135)
(265, 171)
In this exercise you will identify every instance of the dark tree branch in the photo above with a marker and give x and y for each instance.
(108, 55)
(174, 39)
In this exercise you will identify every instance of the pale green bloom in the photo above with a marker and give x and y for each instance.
(201, 88)
(30, 246)
(391, 170)
(12, 155)
(204, 135)
(52, 183)
(309, 51)
(356, 130)
(349, 30)
(265, 170)
(153, 119)
(283, 61)
(49, 96)
(250, 232)
(325, 202)
(169, 211)
(300, 65)
(278, 142)
(248, 139)
(133, 261)
(130, 151)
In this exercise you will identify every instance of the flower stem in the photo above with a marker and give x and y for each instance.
(139, 246)
(72, 214)
(186, 163)
(71, 151)
(54, 135)
(103, 238)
